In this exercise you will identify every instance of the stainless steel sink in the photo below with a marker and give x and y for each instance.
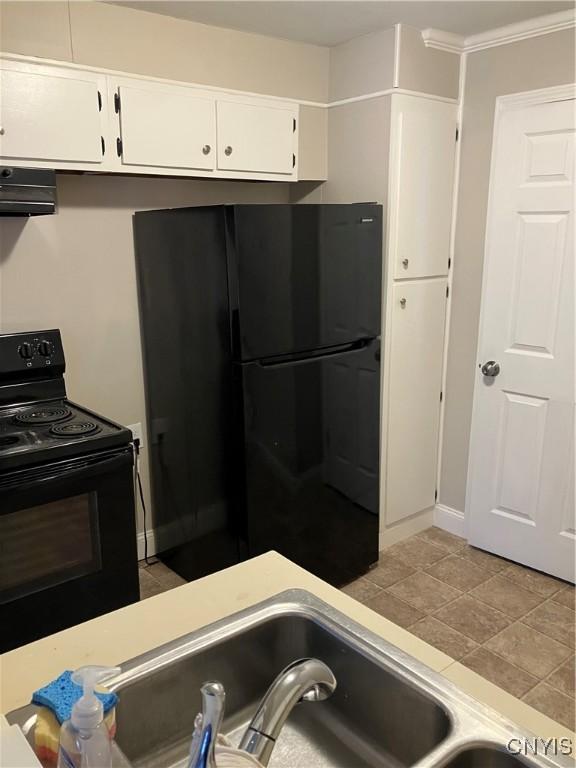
(388, 711)
(485, 757)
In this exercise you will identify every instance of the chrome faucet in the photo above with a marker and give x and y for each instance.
(303, 680)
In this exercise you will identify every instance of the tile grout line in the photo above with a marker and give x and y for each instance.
(511, 663)
(546, 680)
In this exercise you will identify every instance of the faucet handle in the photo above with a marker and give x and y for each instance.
(207, 726)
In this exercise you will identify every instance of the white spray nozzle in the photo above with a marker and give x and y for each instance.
(88, 712)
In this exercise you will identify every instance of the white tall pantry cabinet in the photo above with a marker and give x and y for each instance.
(420, 195)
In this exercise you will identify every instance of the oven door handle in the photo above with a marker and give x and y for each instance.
(95, 465)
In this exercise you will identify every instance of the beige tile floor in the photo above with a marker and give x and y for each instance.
(157, 578)
(510, 624)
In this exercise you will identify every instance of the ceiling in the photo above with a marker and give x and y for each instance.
(329, 22)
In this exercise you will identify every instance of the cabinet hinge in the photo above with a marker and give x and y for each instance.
(447, 291)
(116, 102)
(119, 147)
(293, 125)
(293, 160)
(449, 262)
(441, 396)
(457, 133)
(103, 145)
(436, 495)
(99, 102)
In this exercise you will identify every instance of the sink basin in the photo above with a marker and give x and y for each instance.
(388, 711)
(485, 757)
(368, 721)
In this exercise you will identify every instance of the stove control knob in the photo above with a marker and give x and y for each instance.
(26, 351)
(46, 348)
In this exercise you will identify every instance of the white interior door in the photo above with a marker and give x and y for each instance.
(422, 172)
(167, 127)
(521, 475)
(255, 138)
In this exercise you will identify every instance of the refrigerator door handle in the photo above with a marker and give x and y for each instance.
(305, 357)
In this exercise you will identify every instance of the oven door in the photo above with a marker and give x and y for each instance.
(67, 544)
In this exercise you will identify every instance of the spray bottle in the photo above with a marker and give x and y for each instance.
(84, 739)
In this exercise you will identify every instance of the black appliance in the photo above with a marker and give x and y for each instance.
(27, 191)
(67, 515)
(260, 328)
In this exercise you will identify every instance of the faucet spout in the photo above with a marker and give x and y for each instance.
(303, 680)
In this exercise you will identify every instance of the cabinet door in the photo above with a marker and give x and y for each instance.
(258, 139)
(422, 183)
(417, 341)
(51, 117)
(167, 127)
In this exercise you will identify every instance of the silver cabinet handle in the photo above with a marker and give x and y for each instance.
(206, 149)
(228, 151)
(403, 302)
(491, 369)
(405, 263)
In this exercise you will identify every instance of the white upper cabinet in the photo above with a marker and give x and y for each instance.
(256, 138)
(421, 185)
(166, 126)
(51, 116)
(70, 118)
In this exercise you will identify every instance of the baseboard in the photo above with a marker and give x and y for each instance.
(405, 528)
(150, 535)
(450, 519)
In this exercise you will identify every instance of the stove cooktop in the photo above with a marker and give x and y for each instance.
(53, 429)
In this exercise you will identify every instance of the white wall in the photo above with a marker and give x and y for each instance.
(138, 42)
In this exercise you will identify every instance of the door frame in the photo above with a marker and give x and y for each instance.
(503, 104)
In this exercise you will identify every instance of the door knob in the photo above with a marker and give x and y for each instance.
(491, 369)
(206, 149)
(403, 302)
(228, 151)
(405, 263)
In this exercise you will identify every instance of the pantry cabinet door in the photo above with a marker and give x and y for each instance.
(51, 115)
(421, 185)
(166, 127)
(256, 138)
(413, 412)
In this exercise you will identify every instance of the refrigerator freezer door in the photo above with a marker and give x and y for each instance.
(312, 460)
(303, 276)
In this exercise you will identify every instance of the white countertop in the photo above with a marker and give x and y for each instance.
(130, 631)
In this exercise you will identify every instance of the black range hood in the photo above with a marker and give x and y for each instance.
(27, 191)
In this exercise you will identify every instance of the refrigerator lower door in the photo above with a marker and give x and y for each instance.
(311, 452)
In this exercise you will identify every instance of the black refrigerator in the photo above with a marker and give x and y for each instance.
(261, 345)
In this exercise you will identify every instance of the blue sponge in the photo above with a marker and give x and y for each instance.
(61, 694)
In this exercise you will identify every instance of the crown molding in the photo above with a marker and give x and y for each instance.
(511, 33)
(443, 41)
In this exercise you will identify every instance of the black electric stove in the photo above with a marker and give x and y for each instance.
(67, 511)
